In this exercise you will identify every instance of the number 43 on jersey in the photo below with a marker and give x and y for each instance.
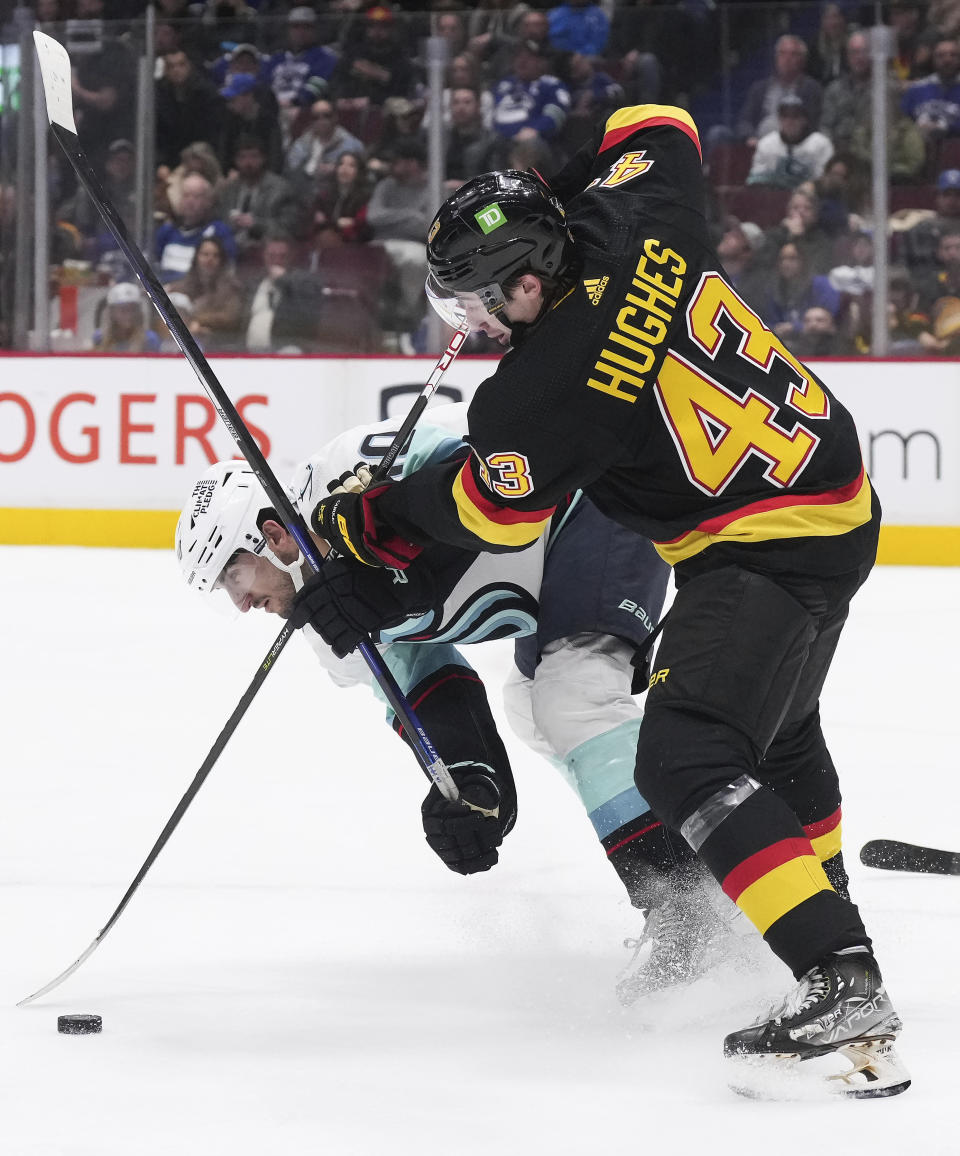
(716, 430)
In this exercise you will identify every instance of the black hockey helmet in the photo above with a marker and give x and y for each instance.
(494, 226)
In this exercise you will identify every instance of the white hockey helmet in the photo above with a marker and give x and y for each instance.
(220, 518)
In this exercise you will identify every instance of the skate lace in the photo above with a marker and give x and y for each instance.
(811, 990)
(663, 928)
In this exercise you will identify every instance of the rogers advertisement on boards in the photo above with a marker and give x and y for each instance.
(132, 433)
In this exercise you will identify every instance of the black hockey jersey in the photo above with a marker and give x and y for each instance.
(654, 387)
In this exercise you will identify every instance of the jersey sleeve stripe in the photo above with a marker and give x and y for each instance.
(786, 516)
(492, 523)
(626, 121)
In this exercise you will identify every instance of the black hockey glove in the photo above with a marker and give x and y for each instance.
(344, 602)
(347, 521)
(466, 834)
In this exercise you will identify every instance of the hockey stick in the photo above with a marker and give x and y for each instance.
(222, 739)
(55, 70)
(892, 855)
(382, 469)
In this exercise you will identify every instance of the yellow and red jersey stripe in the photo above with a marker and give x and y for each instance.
(825, 836)
(492, 523)
(626, 121)
(787, 515)
(772, 882)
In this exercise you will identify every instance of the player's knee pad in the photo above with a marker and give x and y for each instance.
(684, 757)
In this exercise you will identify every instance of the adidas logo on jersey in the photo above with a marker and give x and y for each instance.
(595, 287)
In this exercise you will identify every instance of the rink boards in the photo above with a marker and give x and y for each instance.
(101, 450)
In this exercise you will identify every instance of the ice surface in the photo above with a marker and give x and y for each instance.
(299, 974)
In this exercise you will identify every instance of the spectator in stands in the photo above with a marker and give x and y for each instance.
(944, 281)
(197, 157)
(841, 194)
(532, 25)
(819, 336)
(917, 246)
(910, 331)
(340, 203)
(168, 38)
(530, 101)
(495, 23)
(737, 250)
(790, 288)
(277, 260)
(789, 78)
(854, 272)
(124, 328)
(579, 26)
(222, 22)
(187, 108)
(848, 116)
(471, 148)
(315, 153)
(255, 200)
(102, 80)
(119, 183)
(801, 225)
(450, 26)
(176, 241)
(847, 98)
(377, 65)
(399, 213)
(827, 57)
(791, 154)
(528, 152)
(245, 117)
(943, 18)
(594, 95)
(241, 60)
(463, 71)
(912, 52)
(934, 102)
(402, 120)
(215, 297)
(290, 69)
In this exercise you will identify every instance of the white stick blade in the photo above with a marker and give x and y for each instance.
(56, 71)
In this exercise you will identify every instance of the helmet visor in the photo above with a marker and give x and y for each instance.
(482, 310)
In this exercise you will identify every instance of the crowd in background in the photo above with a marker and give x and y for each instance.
(291, 198)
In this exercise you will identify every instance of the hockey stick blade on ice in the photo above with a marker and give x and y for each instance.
(208, 763)
(382, 470)
(892, 855)
(55, 71)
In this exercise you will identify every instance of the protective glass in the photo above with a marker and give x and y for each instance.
(481, 310)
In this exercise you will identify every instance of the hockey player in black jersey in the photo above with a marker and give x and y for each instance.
(639, 375)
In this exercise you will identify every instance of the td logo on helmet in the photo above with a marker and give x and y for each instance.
(490, 218)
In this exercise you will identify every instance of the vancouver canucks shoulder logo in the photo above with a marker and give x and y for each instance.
(595, 287)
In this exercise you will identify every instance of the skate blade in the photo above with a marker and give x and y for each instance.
(866, 1070)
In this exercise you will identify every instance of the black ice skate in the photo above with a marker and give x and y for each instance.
(682, 940)
(839, 1008)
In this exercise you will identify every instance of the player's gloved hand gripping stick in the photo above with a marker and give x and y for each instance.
(56, 74)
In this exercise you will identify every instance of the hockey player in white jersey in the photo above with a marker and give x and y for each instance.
(579, 613)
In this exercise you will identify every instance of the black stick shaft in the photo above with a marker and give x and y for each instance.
(426, 753)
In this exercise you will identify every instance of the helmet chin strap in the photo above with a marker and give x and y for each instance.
(294, 569)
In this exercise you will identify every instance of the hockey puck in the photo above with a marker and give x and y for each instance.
(79, 1025)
